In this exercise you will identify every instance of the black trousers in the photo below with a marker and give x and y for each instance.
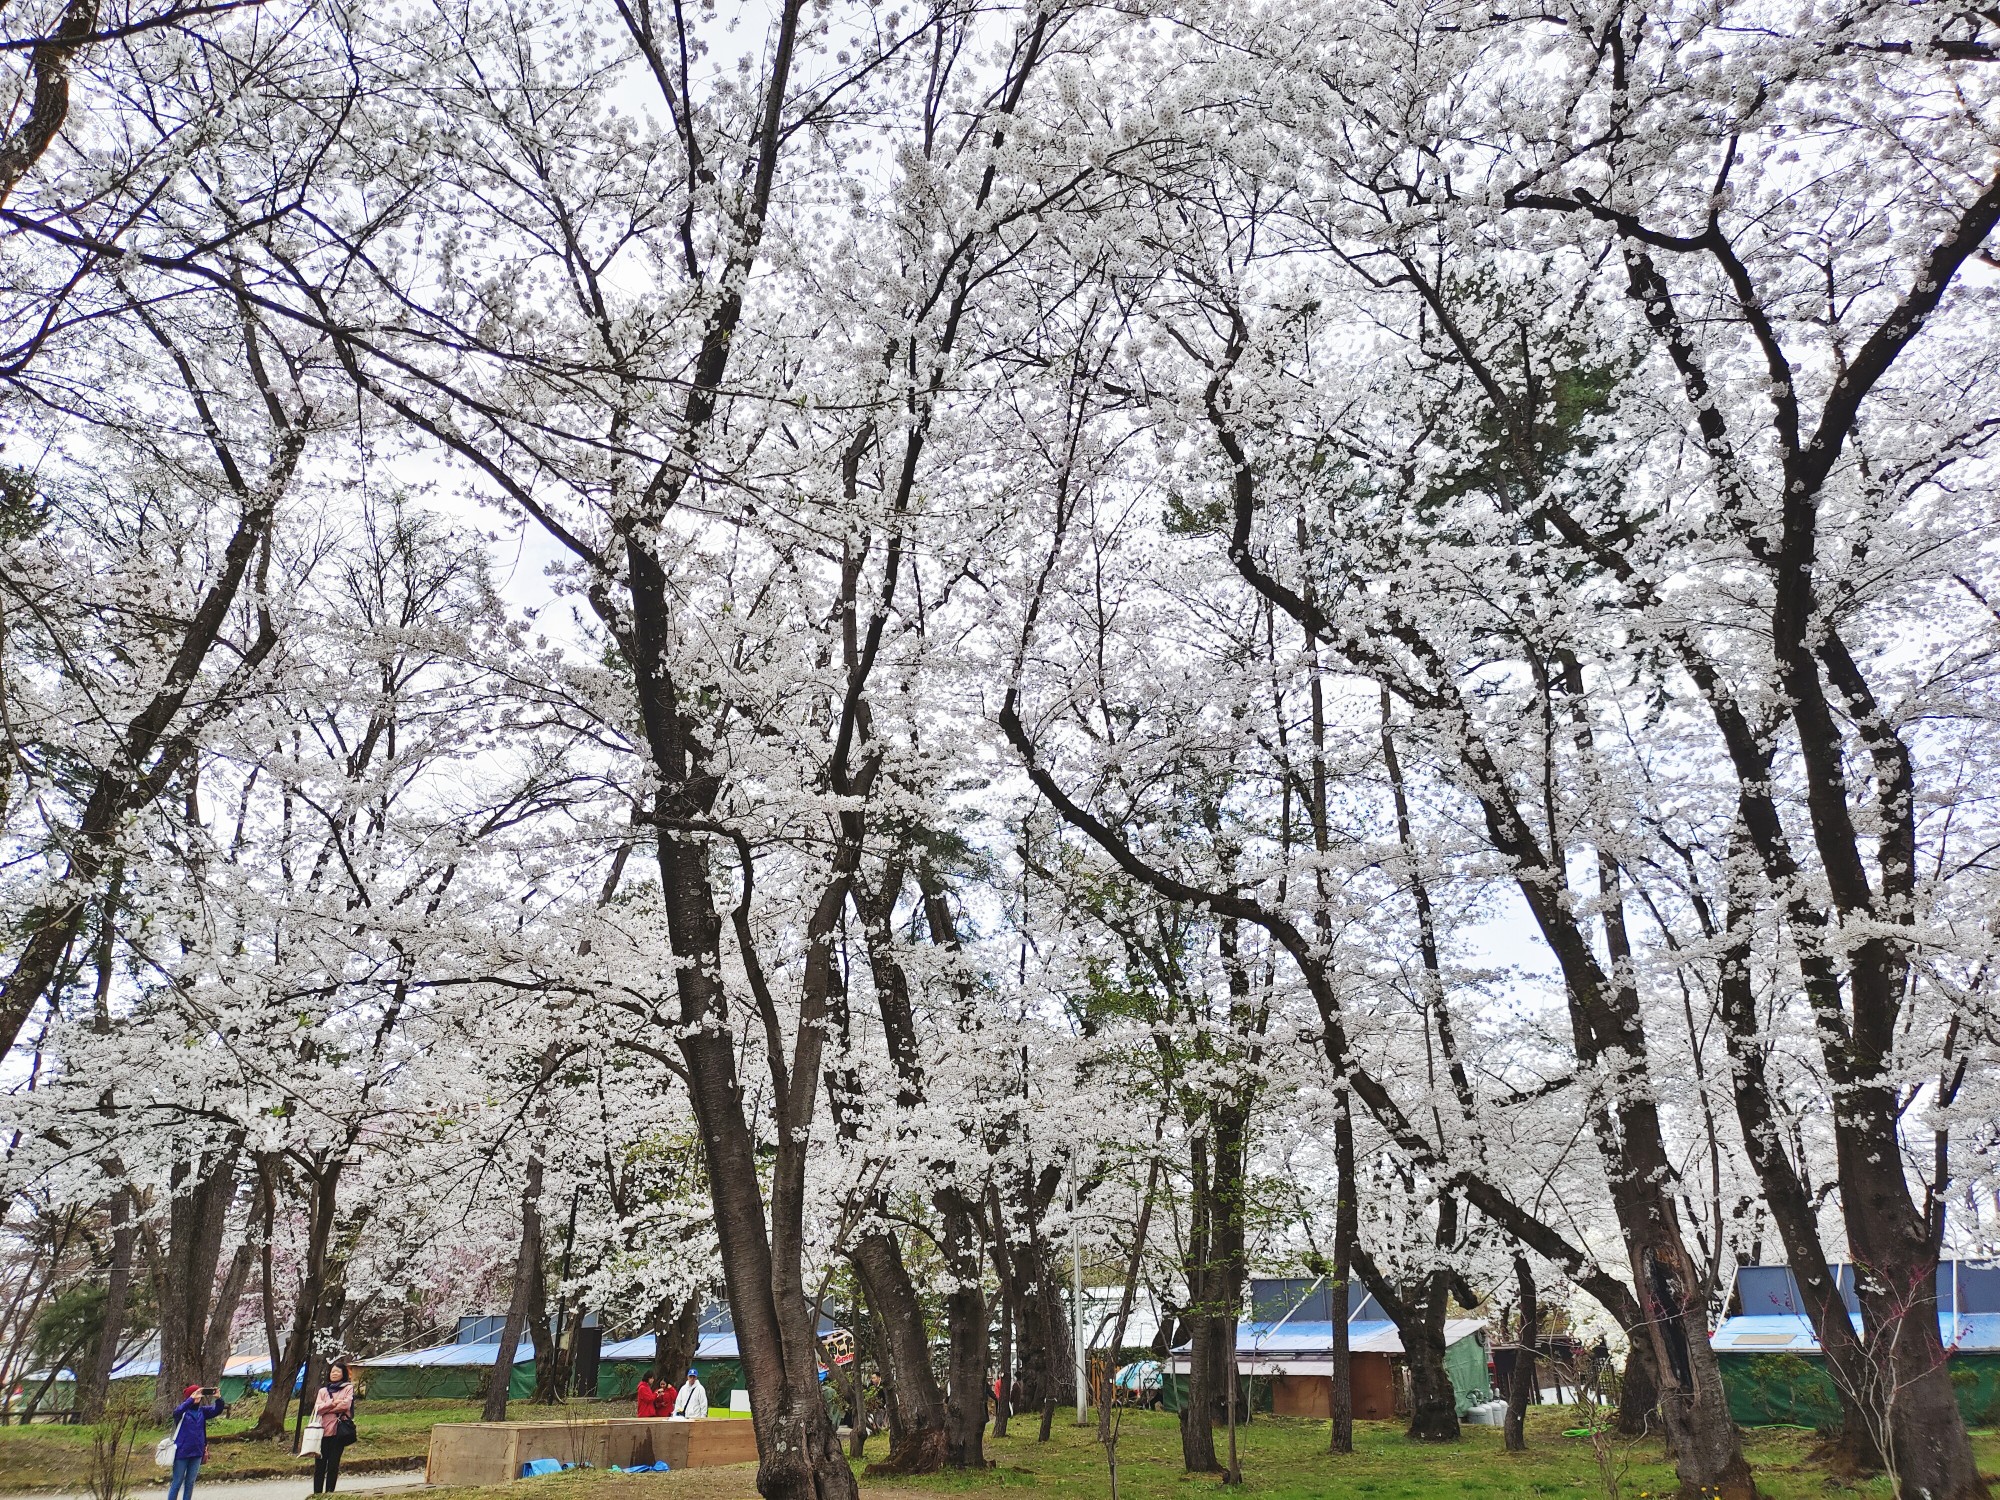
(326, 1463)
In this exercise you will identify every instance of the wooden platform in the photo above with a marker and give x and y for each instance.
(493, 1452)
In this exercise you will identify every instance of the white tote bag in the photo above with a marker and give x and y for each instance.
(309, 1440)
(163, 1450)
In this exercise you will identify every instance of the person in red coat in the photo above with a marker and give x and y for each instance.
(649, 1404)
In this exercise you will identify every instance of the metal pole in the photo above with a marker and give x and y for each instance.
(1076, 1298)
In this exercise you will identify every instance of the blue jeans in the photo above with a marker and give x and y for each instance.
(181, 1486)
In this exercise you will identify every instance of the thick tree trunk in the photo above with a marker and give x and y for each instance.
(932, 1432)
(674, 1345)
(799, 1457)
(1925, 1445)
(184, 1267)
(1419, 1316)
(965, 1327)
(1203, 1393)
(1521, 1388)
(93, 1388)
(917, 1435)
(1638, 1390)
(1042, 1335)
(1433, 1405)
(917, 1441)
(1198, 1412)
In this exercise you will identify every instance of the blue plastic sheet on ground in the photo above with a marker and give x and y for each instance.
(535, 1466)
(652, 1468)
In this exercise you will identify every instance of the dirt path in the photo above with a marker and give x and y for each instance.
(259, 1489)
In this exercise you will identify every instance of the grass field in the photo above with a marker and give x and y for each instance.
(1283, 1459)
(395, 1435)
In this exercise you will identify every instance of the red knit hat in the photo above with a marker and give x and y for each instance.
(191, 1390)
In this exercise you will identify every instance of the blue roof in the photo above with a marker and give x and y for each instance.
(1978, 1333)
(1787, 1334)
(1297, 1337)
(712, 1346)
(1765, 1333)
(448, 1356)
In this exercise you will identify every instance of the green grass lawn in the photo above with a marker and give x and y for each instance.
(1283, 1459)
(394, 1435)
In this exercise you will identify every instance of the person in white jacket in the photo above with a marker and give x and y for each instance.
(693, 1402)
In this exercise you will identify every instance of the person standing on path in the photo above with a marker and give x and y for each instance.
(333, 1412)
(191, 1419)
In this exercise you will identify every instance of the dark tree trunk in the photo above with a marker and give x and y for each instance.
(1638, 1390)
(1214, 1271)
(1521, 1388)
(674, 1345)
(525, 1295)
(222, 1317)
(1419, 1316)
(1346, 1227)
(926, 1434)
(917, 1430)
(965, 1328)
(184, 1267)
(799, 1457)
(1003, 1399)
(1785, 1192)
(313, 1281)
(93, 1389)
(1203, 1396)
(520, 1296)
(1908, 1382)
(1042, 1335)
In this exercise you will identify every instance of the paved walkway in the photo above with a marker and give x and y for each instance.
(258, 1489)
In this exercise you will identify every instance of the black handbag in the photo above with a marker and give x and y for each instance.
(343, 1428)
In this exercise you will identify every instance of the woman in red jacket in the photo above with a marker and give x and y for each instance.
(648, 1402)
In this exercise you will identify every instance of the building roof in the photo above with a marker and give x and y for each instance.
(448, 1356)
(1772, 1319)
(641, 1349)
(1307, 1348)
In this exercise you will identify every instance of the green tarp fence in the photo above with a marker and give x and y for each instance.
(1465, 1363)
(1771, 1389)
(1253, 1393)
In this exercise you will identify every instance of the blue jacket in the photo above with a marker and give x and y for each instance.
(191, 1421)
